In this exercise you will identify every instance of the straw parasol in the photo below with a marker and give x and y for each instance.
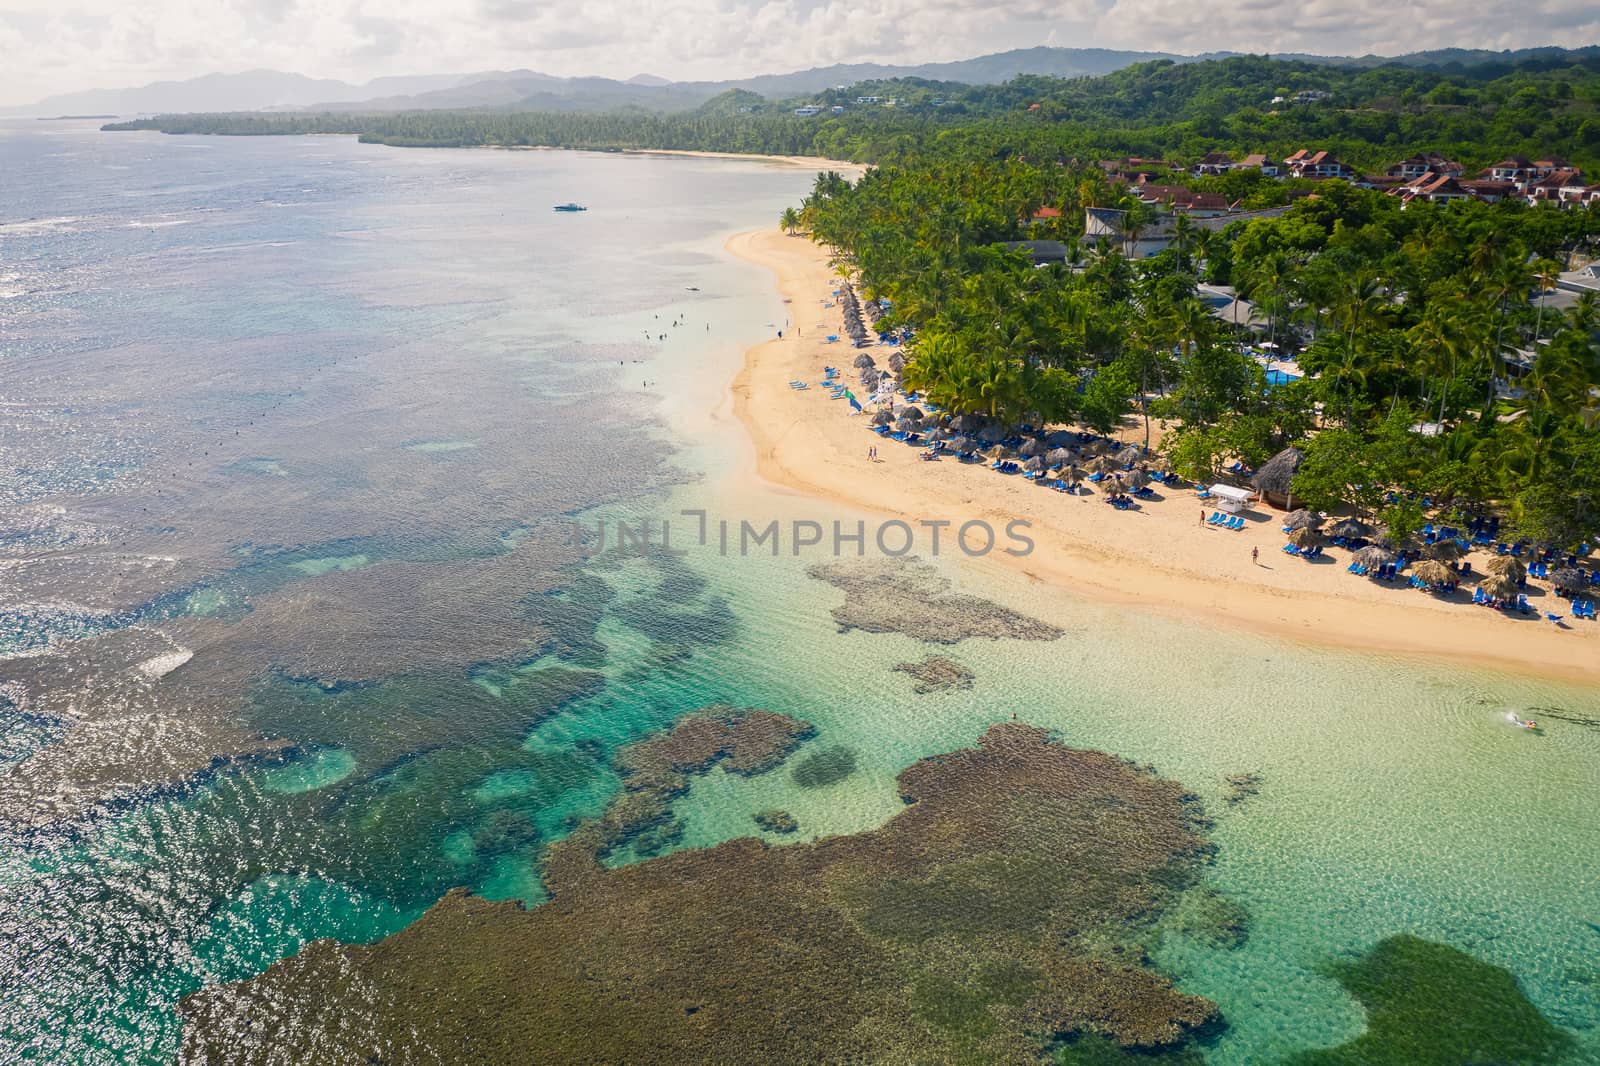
(991, 434)
(1130, 454)
(1351, 527)
(1302, 519)
(960, 444)
(897, 362)
(1304, 537)
(1104, 465)
(938, 433)
(1031, 447)
(997, 452)
(1058, 457)
(912, 411)
(966, 423)
(907, 425)
(1569, 579)
(1372, 555)
(864, 361)
(1507, 566)
(1433, 572)
(1035, 463)
(883, 417)
(1499, 587)
(1445, 550)
(1072, 473)
(1275, 478)
(1135, 479)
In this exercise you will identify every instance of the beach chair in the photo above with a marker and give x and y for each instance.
(1216, 517)
(1290, 549)
(1523, 606)
(1478, 597)
(1236, 524)
(1552, 617)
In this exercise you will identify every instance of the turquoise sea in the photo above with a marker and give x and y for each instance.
(291, 434)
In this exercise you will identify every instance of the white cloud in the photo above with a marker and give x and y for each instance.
(59, 45)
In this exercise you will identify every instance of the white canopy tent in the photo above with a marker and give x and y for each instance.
(1230, 498)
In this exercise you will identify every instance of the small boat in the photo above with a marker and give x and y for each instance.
(1522, 723)
(570, 207)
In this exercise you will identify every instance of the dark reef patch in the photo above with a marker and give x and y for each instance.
(908, 596)
(826, 767)
(776, 821)
(656, 770)
(936, 674)
(999, 911)
(1429, 1004)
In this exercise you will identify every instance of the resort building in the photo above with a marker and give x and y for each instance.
(1423, 163)
(1258, 161)
(1308, 164)
(808, 111)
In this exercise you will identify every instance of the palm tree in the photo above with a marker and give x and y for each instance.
(790, 220)
(1547, 272)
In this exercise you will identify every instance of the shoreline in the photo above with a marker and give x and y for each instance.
(1159, 558)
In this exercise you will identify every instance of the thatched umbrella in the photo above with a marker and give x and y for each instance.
(1136, 479)
(1499, 587)
(1351, 527)
(897, 362)
(1372, 555)
(1433, 572)
(991, 434)
(1104, 465)
(907, 425)
(966, 423)
(1058, 457)
(883, 417)
(1303, 519)
(1161, 464)
(960, 444)
(912, 411)
(1569, 579)
(997, 452)
(1130, 454)
(1275, 478)
(1507, 566)
(1031, 447)
(864, 361)
(938, 433)
(1035, 463)
(1304, 537)
(1444, 550)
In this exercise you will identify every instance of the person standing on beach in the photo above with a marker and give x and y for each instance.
(1255, 556)
(1202, 516)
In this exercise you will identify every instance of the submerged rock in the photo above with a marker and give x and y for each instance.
(826, 767)
(936, 674)
(997, 911)
(911, 597)
(1242, 786)
(776, 821)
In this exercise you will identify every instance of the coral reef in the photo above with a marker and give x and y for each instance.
(1242, 786)
(998, 911)
(908, 596)
(656, 770)
(936, 674)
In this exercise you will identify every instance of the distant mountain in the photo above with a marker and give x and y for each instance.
(527, 90)
(252, 90)
(262, 90)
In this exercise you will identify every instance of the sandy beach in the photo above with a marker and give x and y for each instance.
(1161, 557)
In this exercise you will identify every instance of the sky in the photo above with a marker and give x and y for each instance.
(53, 46)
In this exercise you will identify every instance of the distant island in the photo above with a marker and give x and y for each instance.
(69, 118)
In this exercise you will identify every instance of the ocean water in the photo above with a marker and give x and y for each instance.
(291, 428)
